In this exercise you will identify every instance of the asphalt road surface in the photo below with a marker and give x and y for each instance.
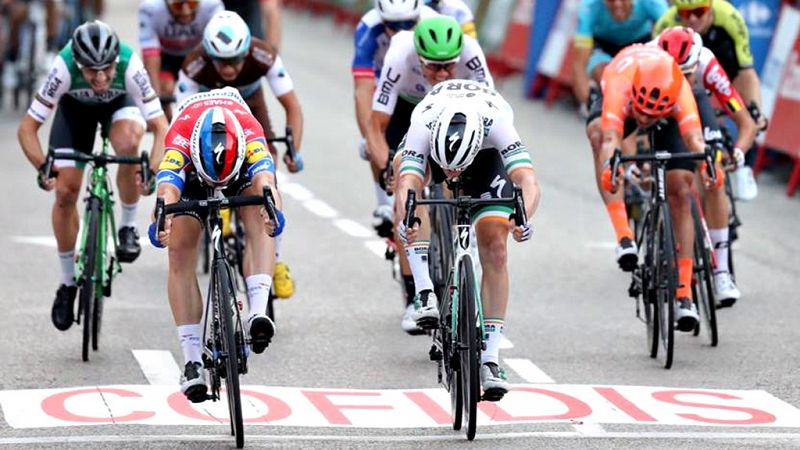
(341, 374)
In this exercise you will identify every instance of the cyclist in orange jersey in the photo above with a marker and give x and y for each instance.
(643, 87)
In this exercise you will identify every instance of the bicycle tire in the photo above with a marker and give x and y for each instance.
(441, 251)
(645, 238)
(469, 339)
(224, 296)
(666, 282)
(703, 280)
(89, 275)
(105, 291)
(450, 360)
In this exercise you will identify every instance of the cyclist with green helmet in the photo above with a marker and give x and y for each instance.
(437, 50)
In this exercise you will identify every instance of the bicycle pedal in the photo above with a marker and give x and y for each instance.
(435, 354)
(493, 395)
(428, 323)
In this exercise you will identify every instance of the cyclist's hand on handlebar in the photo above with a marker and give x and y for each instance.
(521, 233)
(294, 165)
(162, 240)
(605, 179)
(708, 182)
(408, 235)
(46, 184)
(274, 228)
(151, 184)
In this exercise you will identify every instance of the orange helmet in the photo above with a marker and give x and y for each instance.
(657, 84)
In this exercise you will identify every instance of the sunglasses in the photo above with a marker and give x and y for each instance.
(229, 61)
(698, 12)
(436, 66)
(400, 25)
(178, 3)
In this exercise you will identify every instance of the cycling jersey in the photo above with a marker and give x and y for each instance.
(498, 119)
(177, 169)
(372, 41)
(597, 28)
(160, 33)
(262, 60)
(65, 78)
(402, 76)
(458, 10)
(728, 37)
(617, 83)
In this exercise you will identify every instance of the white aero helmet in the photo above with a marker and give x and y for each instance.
(398, 10)
(456, 136)
(226, 36)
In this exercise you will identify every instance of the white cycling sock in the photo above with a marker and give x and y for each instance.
(190, 336)
(278, 240)
(418, 260)
(719, 238)
(494, 334)
(128, 215)
(258, 287)
(67, 260)
(381, 195)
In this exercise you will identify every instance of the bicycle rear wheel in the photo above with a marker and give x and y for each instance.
(702, 281)
(224, 296)
(450, 359)
(666, 270)
(90, 276)
(469, 340)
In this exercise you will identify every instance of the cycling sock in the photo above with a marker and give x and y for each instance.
(381, 195)
(719, 238)
(258, 287)
(128, 215)
(67, 260)
(619, 219)
(494, 334)
(408, 284)
(418, 260)
(684, 278)
(190, 336)
(278, 240)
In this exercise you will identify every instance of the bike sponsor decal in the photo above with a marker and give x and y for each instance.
(143, 83)
(52, 84)
(476, 66)
(716, 77)
(387, 86)
(173, 160)
(398, 408)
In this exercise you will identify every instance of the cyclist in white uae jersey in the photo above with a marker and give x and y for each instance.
(168, 31)
(467, 130)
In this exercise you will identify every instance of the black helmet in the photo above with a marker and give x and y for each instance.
(95, 45)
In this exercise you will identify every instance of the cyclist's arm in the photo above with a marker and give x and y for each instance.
(526, 179)
(364, 87)
(377, 147)
(413, 162)
(516, 158)
(749, 86)
(366, 45)
(688, 118)
(580, 79)
(272, 10)
(27, 133)
(150, 45)
(294, 117)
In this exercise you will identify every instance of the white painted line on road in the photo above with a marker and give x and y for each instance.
(601, 244)
(352, 228)
(158, 366)
(383, 438)
(320, 208)
(529, 371)
(44, 241)
(296, 191)
(590, 429)
(505, 343)
(377, 247)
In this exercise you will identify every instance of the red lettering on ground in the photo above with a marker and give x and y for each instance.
(178, 402)
(332, 412)
(429, 407)
(756, 415)
(616, 399)
(575, 408)
(277, 409)
(54, 406)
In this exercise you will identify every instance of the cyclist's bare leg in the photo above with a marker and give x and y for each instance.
(66, 220)
(125, 136)
(424, 232)
(595, 135)
(716, 207)
(259, 253)
(492, 235)
(182, 288)
(679, 188)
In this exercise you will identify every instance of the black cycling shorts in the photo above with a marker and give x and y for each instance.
(399, 123)
(75, 123)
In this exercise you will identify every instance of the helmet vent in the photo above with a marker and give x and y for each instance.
(224, 38)
(433, 35)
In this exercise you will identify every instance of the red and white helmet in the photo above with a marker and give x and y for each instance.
(684, 44)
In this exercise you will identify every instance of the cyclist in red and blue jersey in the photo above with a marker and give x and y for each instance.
(214, 142)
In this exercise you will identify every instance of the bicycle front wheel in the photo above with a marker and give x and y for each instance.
(469, 340)
(224, 298)
(702, 281)
(666, 272)
(90, 277)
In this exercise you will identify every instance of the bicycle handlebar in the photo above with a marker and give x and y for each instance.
(99, 158)
(519, 216)
(266, 199)
(288, 139)
(662, 157)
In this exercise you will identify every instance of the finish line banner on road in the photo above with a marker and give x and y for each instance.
(287, 406)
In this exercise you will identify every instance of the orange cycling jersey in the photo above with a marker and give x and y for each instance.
(617, 83)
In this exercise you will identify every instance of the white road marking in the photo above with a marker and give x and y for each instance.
(296, 191)
(505, 343)
(377, 247)
(526, 369)
(320, 208)
(383, 438)
(44, 241)
(602, 245)
(158, 366)
(352, 228)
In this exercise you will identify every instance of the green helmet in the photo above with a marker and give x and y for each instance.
(439, 38)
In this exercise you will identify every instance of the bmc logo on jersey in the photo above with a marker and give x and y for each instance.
(716, 77)
(387, 86)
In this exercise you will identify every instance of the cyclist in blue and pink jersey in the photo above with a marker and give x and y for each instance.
(372, 38)
(604, 28)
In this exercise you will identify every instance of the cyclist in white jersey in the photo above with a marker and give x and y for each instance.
(467, 130)
(458, 10)
(168, 31)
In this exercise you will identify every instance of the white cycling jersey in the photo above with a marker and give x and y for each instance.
(225, 94)
(456, 9)
(498, 121)
(159, 32)
(402, 76)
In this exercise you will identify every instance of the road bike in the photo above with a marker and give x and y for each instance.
(96, 266)
(225, 341)
(458, 339)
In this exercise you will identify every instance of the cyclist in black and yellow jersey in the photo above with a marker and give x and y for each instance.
(725, 33)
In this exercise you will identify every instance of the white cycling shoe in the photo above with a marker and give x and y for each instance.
(426, 310)
(408, 324)
(686, 317)
(493, 380)
(725, 291)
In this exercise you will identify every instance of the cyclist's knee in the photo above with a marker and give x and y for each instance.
(66, 195)
(492, 244)
(125, 136)
(595, 135)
